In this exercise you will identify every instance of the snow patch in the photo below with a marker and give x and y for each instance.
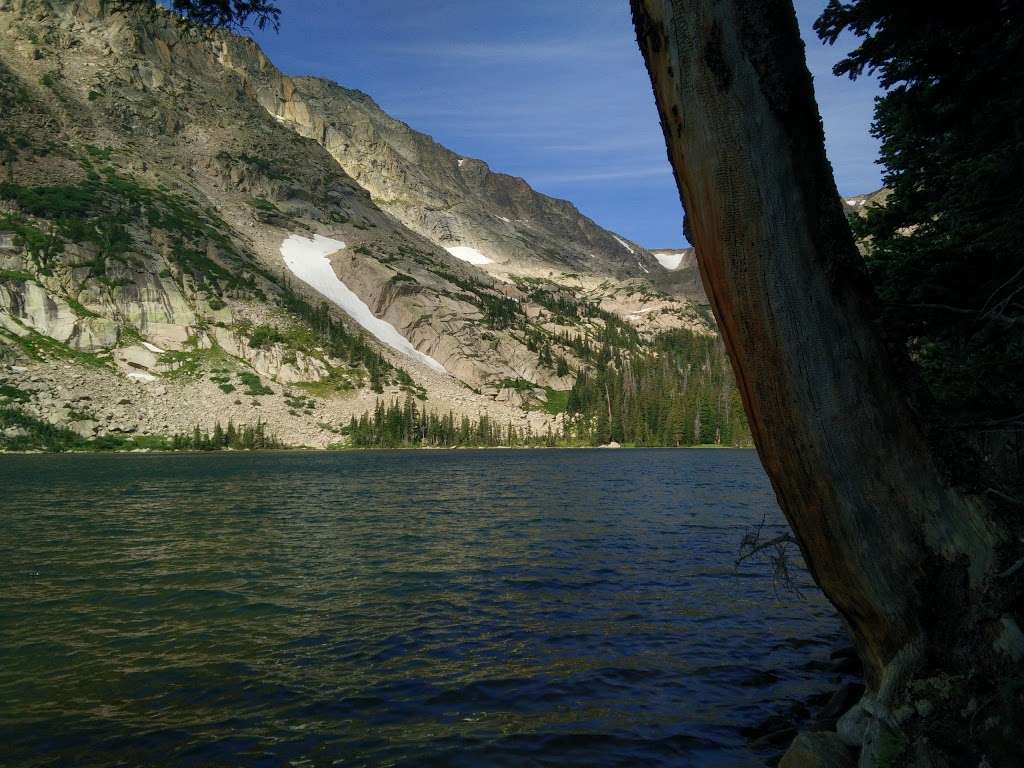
(461, 161)
(153, 348)
(669, 260)
(465, 253)
(638, 315)
(307, 259)
(624, 244)
(507, 221)
(143, 377)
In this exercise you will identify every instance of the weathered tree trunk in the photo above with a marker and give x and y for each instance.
(908, 560)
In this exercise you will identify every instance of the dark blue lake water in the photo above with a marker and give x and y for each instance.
(432, 608)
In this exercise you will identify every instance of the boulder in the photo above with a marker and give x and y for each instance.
(84, 427)
(135, 358)
(8, 323)
(852, 726)
(1010, 640)
(841, 702)
(818, 749)
(167, 335)
(881, 746)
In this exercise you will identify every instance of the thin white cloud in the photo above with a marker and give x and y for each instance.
(610, 174)
(505, 52)
(617, 143)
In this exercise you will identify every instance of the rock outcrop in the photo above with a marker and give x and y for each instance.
(157, 170)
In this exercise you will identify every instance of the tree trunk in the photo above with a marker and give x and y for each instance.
(887, 538)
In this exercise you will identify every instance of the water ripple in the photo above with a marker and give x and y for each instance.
(477, 608)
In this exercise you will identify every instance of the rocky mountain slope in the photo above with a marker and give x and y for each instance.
(490, 219)
(189, 236)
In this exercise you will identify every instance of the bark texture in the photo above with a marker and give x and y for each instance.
(887, 538)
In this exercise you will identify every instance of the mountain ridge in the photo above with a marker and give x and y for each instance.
(427, 186)
(150, 194)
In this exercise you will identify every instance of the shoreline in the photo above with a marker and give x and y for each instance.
(306, 449)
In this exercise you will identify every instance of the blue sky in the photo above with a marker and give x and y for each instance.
(554, 91)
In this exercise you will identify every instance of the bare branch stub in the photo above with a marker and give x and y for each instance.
(777, 553)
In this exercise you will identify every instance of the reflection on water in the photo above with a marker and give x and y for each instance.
(392, 608)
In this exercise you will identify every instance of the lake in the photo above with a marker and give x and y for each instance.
(407, 608)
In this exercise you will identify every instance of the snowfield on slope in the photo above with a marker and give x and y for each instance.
(669, 260)
(624, 244)
(307, 259)
(465, 253)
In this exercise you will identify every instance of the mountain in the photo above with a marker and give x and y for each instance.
(857, 204)
(188, 236)
(679, 274)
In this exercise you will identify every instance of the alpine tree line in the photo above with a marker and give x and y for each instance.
(246, 437)
(679, 392)
(406, 425)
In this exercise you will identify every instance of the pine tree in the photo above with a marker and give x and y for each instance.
(946, 249)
